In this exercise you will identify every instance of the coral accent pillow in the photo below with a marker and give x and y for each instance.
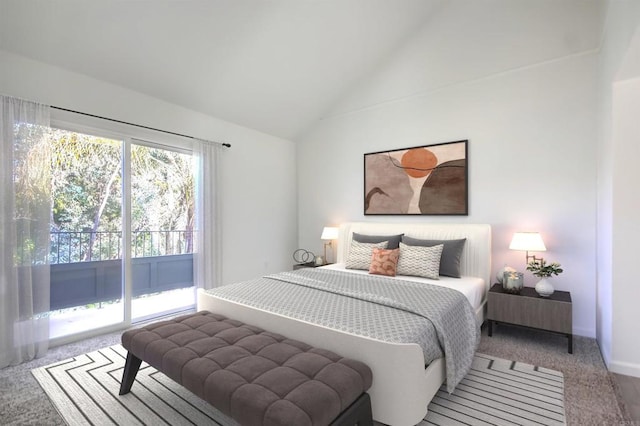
(384, 262)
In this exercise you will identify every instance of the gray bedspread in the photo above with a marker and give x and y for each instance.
(439, 319)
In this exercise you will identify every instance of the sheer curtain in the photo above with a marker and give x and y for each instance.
(208, 256)
(25, 197)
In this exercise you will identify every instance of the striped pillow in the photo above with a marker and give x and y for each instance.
(360, 254)
(384, 262)
(420, 261)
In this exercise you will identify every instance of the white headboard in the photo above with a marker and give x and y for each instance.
(476, 255)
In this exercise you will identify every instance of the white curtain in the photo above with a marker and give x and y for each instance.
(208, 255)
(25, 199)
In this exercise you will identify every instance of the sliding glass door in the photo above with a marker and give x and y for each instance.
(122, 232)
(86, 233)
(162, 230)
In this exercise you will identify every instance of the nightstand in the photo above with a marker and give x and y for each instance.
(528, 309)
(304, 265)
(308, 265)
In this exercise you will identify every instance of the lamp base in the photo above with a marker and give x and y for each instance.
(330, 244)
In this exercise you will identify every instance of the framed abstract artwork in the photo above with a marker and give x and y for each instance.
(423, 180)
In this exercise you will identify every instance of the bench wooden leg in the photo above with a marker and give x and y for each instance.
(131, 367)
(358, 413)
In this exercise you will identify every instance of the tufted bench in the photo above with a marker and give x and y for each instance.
(253, 376)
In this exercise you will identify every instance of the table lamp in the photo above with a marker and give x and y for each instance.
(329, 233)
(528, 241)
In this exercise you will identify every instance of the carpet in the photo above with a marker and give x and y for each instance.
(84, 390)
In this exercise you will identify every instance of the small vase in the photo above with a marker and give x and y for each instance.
(544, 287)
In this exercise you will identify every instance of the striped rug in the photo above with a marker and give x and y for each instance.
(501, 392)
(84, 390)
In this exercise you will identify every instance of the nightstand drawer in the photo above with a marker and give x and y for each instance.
(538, 312)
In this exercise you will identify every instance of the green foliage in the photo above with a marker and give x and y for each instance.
(541, 269)
(87, 191)
(86, 172)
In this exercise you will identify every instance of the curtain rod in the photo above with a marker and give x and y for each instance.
(227, 145)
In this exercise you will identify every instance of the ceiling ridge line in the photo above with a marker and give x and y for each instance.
(426, 92)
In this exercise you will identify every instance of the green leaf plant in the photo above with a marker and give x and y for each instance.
(540, 268)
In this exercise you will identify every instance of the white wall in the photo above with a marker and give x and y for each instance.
(617, 314)
(625, 354)
(257, 172)
(532, 163)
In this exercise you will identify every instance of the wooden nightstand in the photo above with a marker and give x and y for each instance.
(528, 309)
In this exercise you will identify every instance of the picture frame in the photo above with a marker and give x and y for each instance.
(421, 180)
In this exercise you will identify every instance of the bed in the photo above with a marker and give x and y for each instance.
(402, 385)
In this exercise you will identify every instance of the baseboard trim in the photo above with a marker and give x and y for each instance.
(626, 368)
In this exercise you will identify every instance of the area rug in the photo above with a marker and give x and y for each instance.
(84, 390)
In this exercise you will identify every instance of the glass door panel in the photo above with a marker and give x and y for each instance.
(86, 233)
(162, 220)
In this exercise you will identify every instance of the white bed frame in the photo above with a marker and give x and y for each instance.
(402, 388)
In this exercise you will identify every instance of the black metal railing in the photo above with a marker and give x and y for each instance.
(85, 246)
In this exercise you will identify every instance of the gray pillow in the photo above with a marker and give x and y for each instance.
(394, 240)
(451, 254)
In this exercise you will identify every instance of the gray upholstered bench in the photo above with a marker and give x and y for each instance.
(251, 375)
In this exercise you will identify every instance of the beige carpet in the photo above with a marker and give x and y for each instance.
(590, 397)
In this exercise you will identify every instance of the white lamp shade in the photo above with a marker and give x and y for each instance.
(527, 241)
(329, 233)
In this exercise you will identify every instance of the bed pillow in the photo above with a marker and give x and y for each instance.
(451, 254)
(420, 261)
(384, 262)
(360, 254)
(394, 240)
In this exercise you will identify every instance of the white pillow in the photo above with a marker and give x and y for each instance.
(360, 254)
(420, 261)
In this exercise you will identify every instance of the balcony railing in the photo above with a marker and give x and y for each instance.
(86, 267)
(92, 282)
(86, 246)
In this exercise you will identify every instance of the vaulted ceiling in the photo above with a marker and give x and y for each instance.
(278, 66)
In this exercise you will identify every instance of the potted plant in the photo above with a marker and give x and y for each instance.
(543, 270)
